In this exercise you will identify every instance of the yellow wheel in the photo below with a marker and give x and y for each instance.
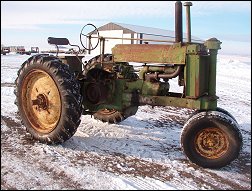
(211, 143)
(41, 101)
(211, 139)
(48, 99)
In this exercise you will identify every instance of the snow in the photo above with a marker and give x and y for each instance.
(142, 152)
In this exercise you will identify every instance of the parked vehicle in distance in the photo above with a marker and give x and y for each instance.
(5, 50)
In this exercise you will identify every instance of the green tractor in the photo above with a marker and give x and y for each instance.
(54, 91)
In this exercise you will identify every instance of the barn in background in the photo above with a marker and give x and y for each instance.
(120, 30)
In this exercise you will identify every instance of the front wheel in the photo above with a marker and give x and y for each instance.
(48, 99)
(211, 139)
(217, 109)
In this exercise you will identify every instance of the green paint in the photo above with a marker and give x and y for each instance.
(125, 90)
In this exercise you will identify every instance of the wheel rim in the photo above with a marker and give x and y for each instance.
(41, 101)
(211, 143)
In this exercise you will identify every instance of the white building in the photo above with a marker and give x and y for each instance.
(120, 30)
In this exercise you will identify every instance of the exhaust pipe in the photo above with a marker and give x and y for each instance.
(178, 22)
(188, 20)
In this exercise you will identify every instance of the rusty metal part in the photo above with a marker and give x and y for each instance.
(41, 101)
(102, 49)
(156, 75)
(178, 22)
(188, 20)
(150, 53)
(211, 143)
(96, 62)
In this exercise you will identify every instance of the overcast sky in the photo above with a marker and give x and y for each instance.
(30, 23)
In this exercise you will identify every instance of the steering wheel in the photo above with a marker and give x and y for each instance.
(88, 36)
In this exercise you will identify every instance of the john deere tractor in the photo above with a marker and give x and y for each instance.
(54, 91)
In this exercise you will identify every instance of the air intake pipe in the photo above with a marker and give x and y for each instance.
(188, 20)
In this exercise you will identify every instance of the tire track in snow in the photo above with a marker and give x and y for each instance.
(17, 145)
(77, 154)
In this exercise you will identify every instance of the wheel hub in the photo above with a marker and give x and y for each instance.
(211, 143)
(41, 101)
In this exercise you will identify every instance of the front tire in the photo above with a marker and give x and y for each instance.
(48, 99)
(217, 109)
(211, 139)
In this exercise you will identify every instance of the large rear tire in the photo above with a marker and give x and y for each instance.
(95, 94)
(48, 99)
(211, 139)
(114, 116)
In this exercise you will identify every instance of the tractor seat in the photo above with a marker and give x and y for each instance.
(58, 41)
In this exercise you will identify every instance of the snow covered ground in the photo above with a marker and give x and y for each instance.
(142, 152)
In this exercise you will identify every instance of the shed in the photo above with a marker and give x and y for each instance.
(121, 30)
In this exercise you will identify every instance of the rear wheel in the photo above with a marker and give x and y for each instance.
(48, 99)
(114, 116)
(109, 115)
(97, 92)
(211, 139)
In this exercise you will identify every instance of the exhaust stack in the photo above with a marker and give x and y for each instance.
(178, 22)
